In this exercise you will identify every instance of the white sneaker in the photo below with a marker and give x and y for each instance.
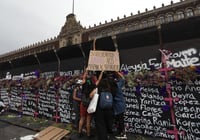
(2, 111)
(121, 137)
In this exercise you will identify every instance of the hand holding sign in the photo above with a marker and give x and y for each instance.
(104, 60)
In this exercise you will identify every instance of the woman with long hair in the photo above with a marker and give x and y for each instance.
(87, 87)
(104, 117)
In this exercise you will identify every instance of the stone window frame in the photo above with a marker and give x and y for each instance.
(152, 21)
(136, 25)
(189, 12)
(180, 15)
(104, 32)
(130, 26)
(144, 23)
(117, 29)
(161, 19)
(169, 17)
(198, 9)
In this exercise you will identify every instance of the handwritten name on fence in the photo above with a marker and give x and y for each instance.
(147, 111)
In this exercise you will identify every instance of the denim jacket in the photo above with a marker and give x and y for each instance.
(119, 104)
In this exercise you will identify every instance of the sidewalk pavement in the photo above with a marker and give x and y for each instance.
(38, 124)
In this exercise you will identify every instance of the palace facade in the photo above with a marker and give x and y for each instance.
(158, 26)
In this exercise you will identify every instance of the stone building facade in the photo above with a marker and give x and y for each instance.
(72, 32)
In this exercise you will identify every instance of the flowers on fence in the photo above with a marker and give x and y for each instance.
(155, 77)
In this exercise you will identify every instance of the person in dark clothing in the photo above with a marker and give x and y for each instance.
(77, 93)
(103, 117)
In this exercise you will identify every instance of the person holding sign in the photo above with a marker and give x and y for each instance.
(87, 86)
(119, 106)
(104, 114)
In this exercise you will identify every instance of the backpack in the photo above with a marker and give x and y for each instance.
(106, 100)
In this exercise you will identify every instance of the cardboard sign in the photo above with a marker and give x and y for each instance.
(104, 60)
(51, 133)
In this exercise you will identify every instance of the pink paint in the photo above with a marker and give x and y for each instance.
(175, 132)
(56, 117)
(36, 114)
(171, 100)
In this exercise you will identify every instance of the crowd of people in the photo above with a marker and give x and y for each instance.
(105, 118)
